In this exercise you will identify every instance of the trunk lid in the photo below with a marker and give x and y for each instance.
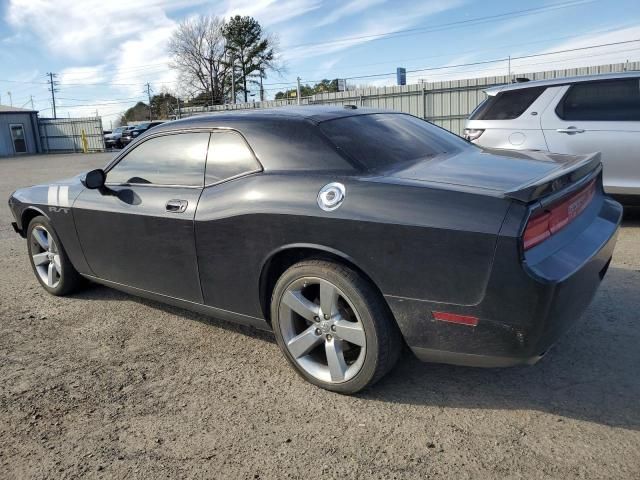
(522, 175)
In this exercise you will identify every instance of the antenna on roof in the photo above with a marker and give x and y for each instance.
(520, 80)
(350, 107)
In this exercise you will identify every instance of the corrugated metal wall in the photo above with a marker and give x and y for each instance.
(65, 134)
(445, 103)
(28, 121)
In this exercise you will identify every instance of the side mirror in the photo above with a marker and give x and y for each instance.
(95, 179)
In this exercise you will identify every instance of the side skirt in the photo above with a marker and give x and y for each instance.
(255, 322)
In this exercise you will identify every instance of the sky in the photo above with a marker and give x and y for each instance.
(104, 52)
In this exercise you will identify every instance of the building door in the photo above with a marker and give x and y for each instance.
(17, 137)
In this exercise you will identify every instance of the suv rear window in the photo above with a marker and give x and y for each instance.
(609, 100)
(507, 105)
(379, 140)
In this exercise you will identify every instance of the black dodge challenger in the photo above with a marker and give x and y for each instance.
(347, 231)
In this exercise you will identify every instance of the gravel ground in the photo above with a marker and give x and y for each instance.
(105, 385)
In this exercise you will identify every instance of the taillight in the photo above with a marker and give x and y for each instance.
(472, 133)
(544, 224)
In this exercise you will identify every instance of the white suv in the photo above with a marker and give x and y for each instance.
(597, 113)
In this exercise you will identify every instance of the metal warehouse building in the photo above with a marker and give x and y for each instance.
(18, 131)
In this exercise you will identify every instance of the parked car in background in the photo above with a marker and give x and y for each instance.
(596, 113)
(138, 130)
(114, 139)
(348, 232)
(125, 138)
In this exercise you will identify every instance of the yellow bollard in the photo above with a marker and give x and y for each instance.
(85, 144)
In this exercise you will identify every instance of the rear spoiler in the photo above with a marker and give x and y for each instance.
(583, 167)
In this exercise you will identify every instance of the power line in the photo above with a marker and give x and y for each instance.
(444, 26)
(475, 51)
(503, 59)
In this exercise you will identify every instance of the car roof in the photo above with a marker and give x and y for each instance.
(312, 113)
(560, 81)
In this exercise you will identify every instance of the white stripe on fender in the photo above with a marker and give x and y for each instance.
(63, 196)
(52, 196)
(58, 196)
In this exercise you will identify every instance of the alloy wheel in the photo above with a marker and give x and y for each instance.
(45, 256)
(322, 330)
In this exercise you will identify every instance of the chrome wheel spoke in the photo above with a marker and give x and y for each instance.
(42, 238)
(335, 359)
(51, 274)
(303, 343)
(328, 298)
(299, 304)
(56, 263)
(40, 259)
(351, 332)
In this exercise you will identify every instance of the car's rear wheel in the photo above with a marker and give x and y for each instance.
(49, 260)
(333, 326)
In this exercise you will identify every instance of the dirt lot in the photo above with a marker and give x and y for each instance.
(102, 384)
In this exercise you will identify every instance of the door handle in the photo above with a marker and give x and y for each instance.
(176, 206)
(570, 130)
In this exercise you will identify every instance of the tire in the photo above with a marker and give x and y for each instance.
(350, 350)
(49, 260)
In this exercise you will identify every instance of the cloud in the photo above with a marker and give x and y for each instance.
(89, 74)
(370, 29)
(149, 50)
(348, 9)
(91, 28)
(269, 12)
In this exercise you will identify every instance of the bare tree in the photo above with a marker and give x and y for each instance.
(198, 50)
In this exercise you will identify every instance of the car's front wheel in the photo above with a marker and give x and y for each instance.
(49, 260)
(334, 326)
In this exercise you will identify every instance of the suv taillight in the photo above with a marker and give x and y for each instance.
(472, 133)
(543, 224)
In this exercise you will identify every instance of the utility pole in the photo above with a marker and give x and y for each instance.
(52, 89)
(509, 68)
(179, 113)
(261, 89)
(298, 91)
(31, 100)
(149, 96)
(10, 99)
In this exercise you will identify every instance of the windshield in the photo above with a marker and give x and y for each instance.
(378, 141)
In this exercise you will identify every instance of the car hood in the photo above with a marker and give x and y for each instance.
(504, 172)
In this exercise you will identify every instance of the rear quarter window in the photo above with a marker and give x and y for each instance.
(609, 100)
(381, 140)
(507, 105)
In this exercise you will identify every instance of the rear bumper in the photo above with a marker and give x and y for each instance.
(524, 312)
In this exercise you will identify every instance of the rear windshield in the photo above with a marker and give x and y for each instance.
(507, 105)
(380, 140)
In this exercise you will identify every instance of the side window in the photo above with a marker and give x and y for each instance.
(610, 100)
(176, 159)
(229, 156)
(507, 105)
